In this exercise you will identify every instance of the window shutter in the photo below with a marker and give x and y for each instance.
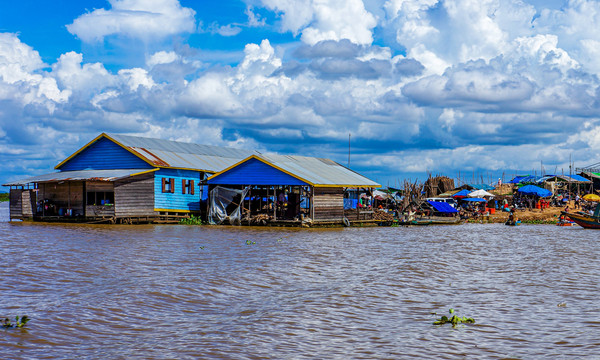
(164, 183)
(192, 187)
(172, 181)
(183, 186)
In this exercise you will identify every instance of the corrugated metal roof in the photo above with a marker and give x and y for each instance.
(96, 175)
(175, 154)
(318, 171)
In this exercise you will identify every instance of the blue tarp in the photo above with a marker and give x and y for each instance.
(442, 207)
(579, 178)
(524, 179)
(474, 199)
(535, 190)
(350, 204)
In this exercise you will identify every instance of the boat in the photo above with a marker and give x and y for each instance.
(565, 222)
(584, 220)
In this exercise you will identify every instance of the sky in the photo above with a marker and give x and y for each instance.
(410, 87)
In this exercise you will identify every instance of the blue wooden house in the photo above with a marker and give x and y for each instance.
(293, 188)
(123, 179)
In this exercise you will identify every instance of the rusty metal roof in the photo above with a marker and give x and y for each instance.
(175, 154)
(79, 175)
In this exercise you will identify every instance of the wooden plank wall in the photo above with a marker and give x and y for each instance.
(135, 196)
(328, 204)
(28, 200)
(16, 204)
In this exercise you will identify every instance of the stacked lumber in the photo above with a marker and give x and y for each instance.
(382, 215)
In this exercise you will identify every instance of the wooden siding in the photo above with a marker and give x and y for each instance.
(16, 203)
(176, 200)
(255, 172)
(22, 203)
(328, 204)
(135, 196)
(65, 195)
(105, 154)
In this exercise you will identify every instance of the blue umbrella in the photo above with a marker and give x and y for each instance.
(474, 200)
(535, 190)
(462, 193)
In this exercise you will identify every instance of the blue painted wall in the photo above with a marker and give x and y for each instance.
(105, 154)
(176, 200)
(255, 172)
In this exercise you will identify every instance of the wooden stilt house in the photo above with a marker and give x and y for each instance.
(124, 179)
(291, 188)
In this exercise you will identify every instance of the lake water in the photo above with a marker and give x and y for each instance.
(189, 292)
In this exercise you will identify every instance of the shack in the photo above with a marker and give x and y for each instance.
(123, 179)
(282, 189)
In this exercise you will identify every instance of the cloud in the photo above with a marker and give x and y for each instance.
(319, 20)
(344, 49)
(463, 85)
(140, 19)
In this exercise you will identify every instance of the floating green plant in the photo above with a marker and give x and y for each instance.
(250, 242)
(192, 220)
(19, 322)
(454, 320)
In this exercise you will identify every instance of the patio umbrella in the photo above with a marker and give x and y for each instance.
(461, 194)
(480, 194)
(535, 190)
(591, 197)
(474, 200)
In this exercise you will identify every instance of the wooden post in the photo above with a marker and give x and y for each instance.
(312, 203)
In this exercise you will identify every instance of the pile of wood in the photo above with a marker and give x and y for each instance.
(438, 185)
(382, 215)
(259, 219)
(412, 193)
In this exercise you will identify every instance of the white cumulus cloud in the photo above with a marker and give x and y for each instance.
(140, 19)
(319, 20)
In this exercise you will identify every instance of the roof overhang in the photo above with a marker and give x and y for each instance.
(81, 175)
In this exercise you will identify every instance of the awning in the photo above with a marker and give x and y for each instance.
(442, 207)
(79, 175)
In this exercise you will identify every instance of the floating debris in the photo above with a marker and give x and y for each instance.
(454, 320)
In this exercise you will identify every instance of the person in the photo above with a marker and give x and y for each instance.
(567, 208)
(577, 202)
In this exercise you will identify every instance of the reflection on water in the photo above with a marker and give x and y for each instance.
(362, 293)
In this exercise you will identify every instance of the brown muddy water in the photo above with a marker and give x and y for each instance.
(191, 292)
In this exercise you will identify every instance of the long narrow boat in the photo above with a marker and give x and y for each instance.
(585, 220)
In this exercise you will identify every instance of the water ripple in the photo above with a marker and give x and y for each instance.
(202, 292)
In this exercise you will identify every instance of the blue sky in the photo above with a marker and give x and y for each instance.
(422, 86)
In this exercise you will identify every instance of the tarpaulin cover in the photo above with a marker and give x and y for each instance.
(535, 190)
(524, 179)
(442, 207)
(220, 199)
(350, 204)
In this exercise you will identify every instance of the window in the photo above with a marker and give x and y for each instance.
(187, 187)
(100, 198)
(168, 185)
